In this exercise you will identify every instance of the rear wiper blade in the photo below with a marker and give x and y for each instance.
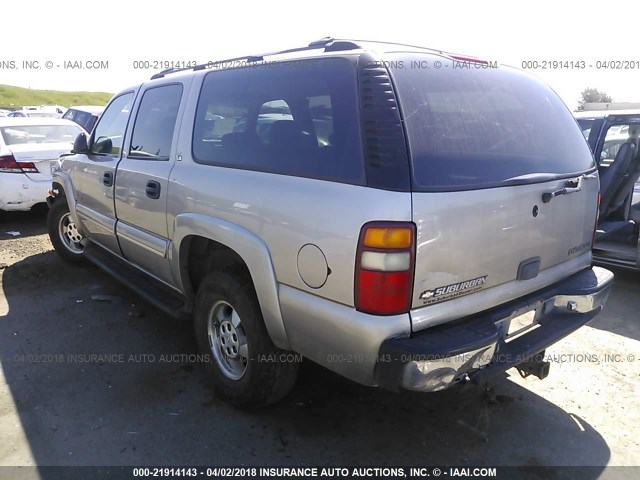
(530, 178)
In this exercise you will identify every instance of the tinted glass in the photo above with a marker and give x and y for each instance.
(109, 133)
(84, 120)
(298, 118)
(585, 126)
(472, 127)
(156, 122)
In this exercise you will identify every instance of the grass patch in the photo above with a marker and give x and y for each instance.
(15, 97)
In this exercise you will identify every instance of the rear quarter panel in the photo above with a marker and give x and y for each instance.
(288, 213)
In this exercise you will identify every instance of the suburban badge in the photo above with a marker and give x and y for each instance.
(453, 290)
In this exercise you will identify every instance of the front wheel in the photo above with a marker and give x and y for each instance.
(248, 370)
(63, 233)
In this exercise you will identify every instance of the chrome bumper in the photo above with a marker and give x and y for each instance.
(479, 346)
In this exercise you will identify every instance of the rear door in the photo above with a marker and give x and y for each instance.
(94, 173)
(489, 147)
(142, 178)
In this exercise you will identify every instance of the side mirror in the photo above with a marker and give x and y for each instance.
(103, 145)
(80, 144)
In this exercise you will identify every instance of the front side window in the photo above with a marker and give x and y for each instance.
(298, 119)
(109, 133)
(155, 123)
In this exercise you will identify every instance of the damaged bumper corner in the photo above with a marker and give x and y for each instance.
(480, 346)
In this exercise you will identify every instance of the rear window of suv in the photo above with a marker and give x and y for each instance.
(296, 118)
(471, 126)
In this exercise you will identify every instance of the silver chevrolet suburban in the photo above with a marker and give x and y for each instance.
(406, 217)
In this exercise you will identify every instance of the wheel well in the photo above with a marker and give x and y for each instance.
(60, 188)
(204, 255)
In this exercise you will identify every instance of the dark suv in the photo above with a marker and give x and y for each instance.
(86, 115)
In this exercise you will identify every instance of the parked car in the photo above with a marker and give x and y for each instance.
(29, 147)
(84, 115)
(408, 228)
(4, 113)
(613, 137)
(53, 109)
(33, 114)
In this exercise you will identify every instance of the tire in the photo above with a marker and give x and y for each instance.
(62, 230)
(228, 317)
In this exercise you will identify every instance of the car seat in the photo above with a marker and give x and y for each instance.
(617, 180)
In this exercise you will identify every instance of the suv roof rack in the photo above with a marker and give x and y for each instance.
(359, 42)
(328, 43)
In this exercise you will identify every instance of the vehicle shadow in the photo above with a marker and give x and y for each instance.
(24, 224)
(620, 315)
(93, 376)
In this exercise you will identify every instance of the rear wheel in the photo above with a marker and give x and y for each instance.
(63, 232)
(248, 370)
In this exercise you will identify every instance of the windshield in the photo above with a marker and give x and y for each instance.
(472, 127)
(32, 134)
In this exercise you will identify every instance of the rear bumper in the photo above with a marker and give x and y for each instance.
(19, 192)
(477, 348)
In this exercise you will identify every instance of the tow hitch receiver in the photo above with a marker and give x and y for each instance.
(536, 366)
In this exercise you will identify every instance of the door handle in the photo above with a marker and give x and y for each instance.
(569, 187)
(153, 189)
(107, 179)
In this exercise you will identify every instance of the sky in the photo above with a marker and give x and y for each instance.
(119, 33)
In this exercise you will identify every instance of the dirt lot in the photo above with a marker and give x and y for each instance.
(143, 402)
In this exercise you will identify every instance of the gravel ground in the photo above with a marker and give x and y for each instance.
(144, 402)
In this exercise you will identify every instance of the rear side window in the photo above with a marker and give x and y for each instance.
(471, 127)
(296, 118)
(156, 122)
(84, 120)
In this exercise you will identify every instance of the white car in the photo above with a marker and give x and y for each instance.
(29, 150)
(33, 114)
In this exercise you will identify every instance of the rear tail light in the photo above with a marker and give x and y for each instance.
(385, 268)
(8, 164)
